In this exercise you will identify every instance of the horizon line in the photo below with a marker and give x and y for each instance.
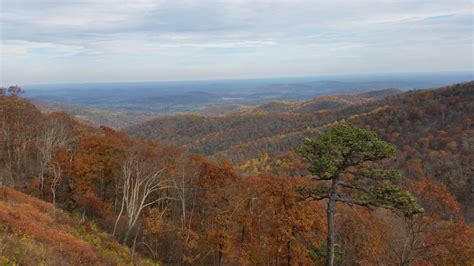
(471, 72)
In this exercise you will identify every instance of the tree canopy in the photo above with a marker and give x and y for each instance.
(352, 160)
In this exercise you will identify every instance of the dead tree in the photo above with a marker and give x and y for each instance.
(142, 179)
(55, 169)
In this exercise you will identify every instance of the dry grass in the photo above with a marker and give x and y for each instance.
(32, 232)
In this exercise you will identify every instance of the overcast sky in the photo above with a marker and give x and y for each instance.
(45, 41)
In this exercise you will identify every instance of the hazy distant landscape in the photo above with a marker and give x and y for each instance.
(119, 104)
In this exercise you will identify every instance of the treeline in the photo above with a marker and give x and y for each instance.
(181, 208)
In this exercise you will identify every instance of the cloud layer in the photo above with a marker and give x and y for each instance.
(125, 40)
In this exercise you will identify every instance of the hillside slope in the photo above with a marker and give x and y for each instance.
(433, 130)
(212, 134)
(34, 233)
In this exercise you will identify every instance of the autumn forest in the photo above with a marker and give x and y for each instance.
(380, 178)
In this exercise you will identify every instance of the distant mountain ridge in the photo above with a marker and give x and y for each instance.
(170, 97)
(94, 116)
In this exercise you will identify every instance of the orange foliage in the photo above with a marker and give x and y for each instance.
(361, 234)
(272, 225)
(29, 221)
(435, 197)
(96, 166)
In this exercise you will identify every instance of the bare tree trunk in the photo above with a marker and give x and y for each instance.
(134, 244)
(125, 238)
(54, 198)
(183, 202)
(41, 178)
(140, 182)
(55, 135)
(118, 216)
(57, 174)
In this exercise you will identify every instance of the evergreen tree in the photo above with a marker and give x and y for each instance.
(348, 165)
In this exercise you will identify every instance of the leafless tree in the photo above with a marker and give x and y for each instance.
(56, 133)
(142, 179)
(55, 169)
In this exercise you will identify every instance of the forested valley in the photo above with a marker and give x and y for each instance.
(377, 178)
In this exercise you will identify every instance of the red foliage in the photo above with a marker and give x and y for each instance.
(435, 197)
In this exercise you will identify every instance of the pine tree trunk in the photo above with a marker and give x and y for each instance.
(330, 220)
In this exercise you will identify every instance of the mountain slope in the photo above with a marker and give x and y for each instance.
(433, 130)
(212, 134)
(34, 233)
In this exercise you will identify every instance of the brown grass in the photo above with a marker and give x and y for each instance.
(33, 232)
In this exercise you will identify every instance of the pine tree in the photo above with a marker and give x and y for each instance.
(348, 166)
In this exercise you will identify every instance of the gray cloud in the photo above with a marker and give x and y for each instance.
(185, 39)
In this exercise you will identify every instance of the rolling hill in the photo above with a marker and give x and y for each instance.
(433, 130)
(213, 134)
(92, 115)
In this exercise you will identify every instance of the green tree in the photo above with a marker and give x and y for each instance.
(349, 166)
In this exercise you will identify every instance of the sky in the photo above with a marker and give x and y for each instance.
(61, 41)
